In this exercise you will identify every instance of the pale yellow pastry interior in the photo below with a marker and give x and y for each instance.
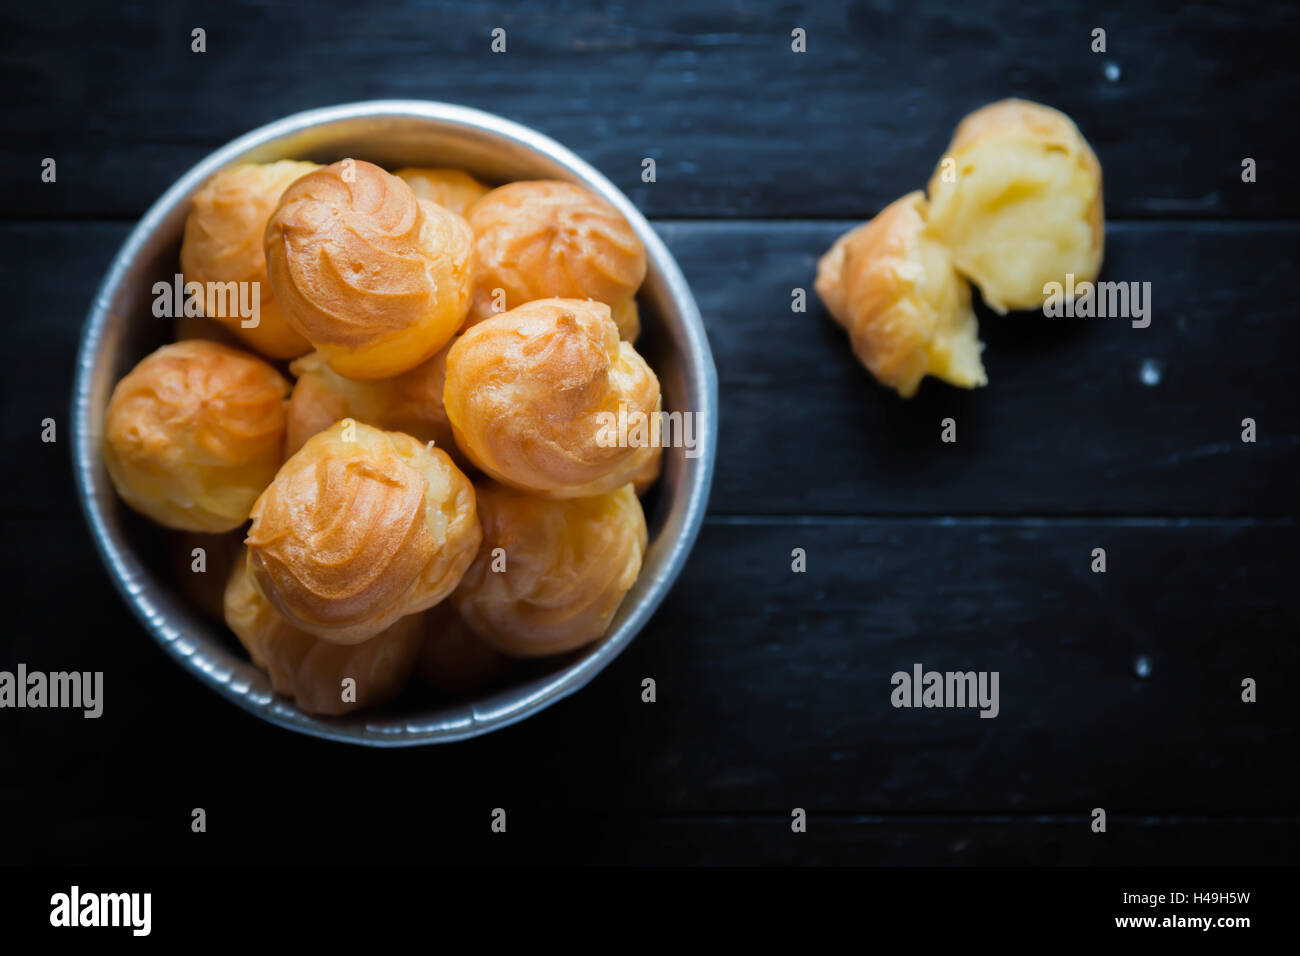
(194, 433)
(530, 394)
(1024, 204)
(377, 280)
(360, 527)
(544, 238)
(567, 566)
(907, 311)
(223, 243)
(313, 672)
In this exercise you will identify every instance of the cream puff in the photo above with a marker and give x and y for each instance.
(544, 238)
(550, 574)
(535, 395)
(223, 243)
(194, 433)
(452, 189)
(321, 677)
(1017, 199)
(410, 403)
(908, 313)
(359, 528)
(377, 280)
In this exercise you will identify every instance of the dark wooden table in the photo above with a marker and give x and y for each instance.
(773, 686)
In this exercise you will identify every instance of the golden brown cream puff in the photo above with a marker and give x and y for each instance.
(532, 393)
(550, 574)
(1017, 199)
(311, 671)
(194, 433)
(376, 279)
(452, 189)
(544, 238)
(359, 528)
(410, 403)
(454, 659)
(907, 311)
(223, 243)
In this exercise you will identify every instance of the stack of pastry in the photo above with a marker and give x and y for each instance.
(1015, 204)
(413, 425)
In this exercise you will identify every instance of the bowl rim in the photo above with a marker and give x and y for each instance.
(134, 583)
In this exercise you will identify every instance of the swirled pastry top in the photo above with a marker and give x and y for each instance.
(543, 238)
(223, 243)
(567, 566)
(194, 433)
(359, 528)
(358, 262)
(531, 395)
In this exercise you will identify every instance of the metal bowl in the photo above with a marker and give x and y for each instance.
(120, 330)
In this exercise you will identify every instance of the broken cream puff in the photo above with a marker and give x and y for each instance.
(359, 528)
(908, 313)
(377, 280)
(1017, 199)
(528, 392)
(223, 243)
(550, 574)
(194, 433)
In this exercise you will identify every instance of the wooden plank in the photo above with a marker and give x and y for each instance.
(738, 124)
(297, 832)
(1065, 427)
(774, 688)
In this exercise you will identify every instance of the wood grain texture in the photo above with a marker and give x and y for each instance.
(738, 124)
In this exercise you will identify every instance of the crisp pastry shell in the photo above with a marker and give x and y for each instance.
(360, 527)
(312, 671)
(452, 189)
(376, 279)
(223, 243)
(567, 566)
(194, 433)
(532, 394)
(906, 309)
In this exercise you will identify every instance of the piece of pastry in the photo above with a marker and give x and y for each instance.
(452, 189)
(376, 279)
(223, 243)
(535, 396)
(454, 659)
(544, 238)
(410, 403)
(646, 478)
(907, 311)
(194, 433)
(313, 671)
(361, 527)
(1017, 199)
(186, 327)
(550, 574)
